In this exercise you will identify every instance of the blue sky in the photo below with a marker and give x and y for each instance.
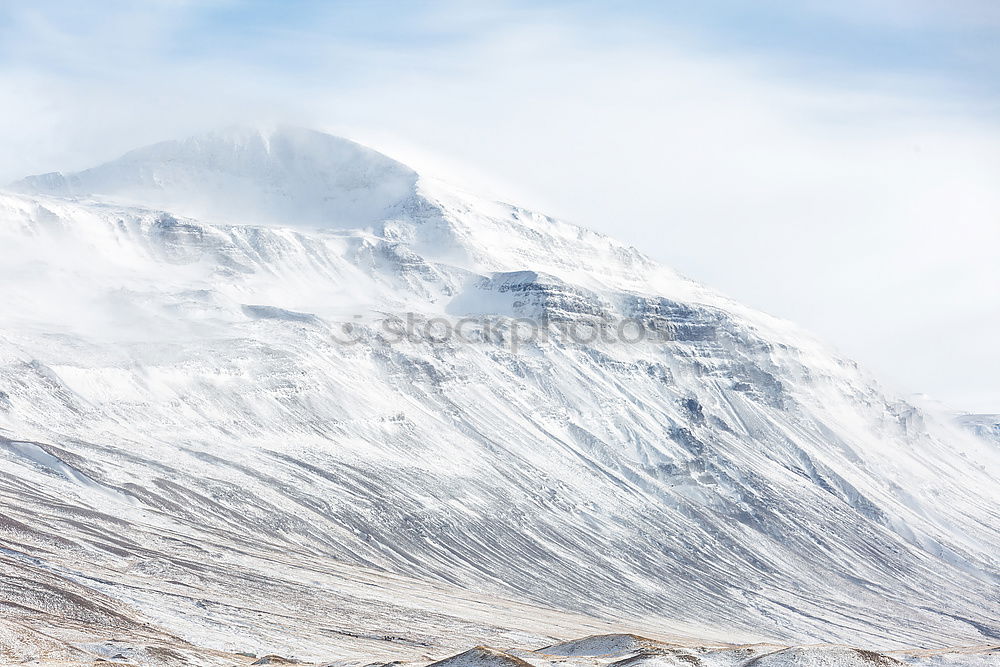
(834, 163)
(954, 41)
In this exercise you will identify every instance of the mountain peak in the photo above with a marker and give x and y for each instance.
(280, 175)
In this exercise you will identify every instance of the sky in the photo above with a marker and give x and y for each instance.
(832, 162)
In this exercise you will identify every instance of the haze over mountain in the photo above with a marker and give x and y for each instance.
(212, 433)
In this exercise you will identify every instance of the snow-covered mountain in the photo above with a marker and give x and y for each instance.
(214, 429)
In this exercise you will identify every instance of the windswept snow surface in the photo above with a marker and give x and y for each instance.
(290, 176)
(212, 432)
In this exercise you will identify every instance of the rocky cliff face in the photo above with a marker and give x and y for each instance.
(983, 426)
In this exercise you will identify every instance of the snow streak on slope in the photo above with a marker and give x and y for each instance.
(176, 403)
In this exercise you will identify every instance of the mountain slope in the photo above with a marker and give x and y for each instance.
(190, 400)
